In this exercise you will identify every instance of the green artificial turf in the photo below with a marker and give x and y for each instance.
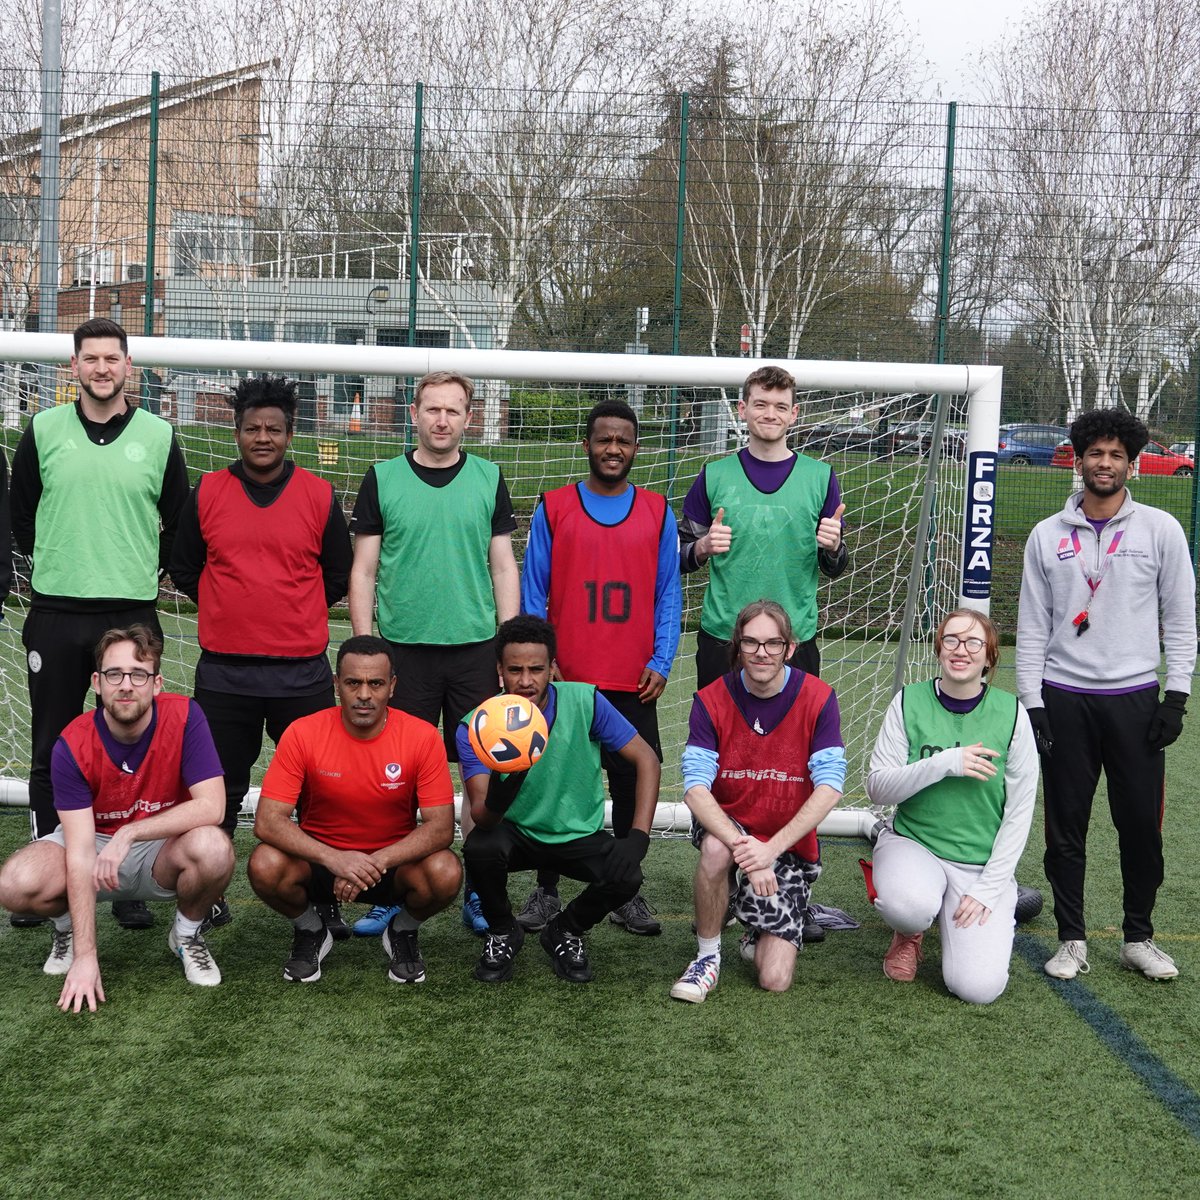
(847, 1085)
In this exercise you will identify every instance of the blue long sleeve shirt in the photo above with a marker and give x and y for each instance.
(611, 510)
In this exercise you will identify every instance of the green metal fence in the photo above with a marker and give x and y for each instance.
(1064, 245)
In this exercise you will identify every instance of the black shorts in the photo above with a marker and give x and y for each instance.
(643, 717)
(320, 887)
(443, 683)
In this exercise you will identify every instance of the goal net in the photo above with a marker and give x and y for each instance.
(913, 447)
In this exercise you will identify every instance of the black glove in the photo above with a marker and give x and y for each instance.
(1042, 733)
(625, 858)
(1167, 723)
(502, 791)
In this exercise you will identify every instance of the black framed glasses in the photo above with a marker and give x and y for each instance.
(773, 646)
(137, 676)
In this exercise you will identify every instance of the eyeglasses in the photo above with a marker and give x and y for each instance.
(951, 641)
(773, 646)
(137, 676)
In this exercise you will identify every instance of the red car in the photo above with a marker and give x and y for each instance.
(1156, 459)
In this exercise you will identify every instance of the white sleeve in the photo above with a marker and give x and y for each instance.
(892, 779)
(1020, 794)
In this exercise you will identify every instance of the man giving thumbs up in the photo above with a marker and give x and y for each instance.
(765, 520)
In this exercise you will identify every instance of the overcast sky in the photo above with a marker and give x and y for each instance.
(954, 30)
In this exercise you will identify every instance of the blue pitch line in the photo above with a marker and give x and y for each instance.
(1174, 1093)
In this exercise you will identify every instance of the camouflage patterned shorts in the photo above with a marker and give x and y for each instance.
(780, 914)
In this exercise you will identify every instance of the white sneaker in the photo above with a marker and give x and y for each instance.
(698, 980)
(1149, 959)
(193, 952)
(1069, 960)
(747, 944)
(62, 953)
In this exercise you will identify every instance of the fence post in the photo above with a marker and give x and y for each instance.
(676, 312)
(48, 265)
(414, 244)
(923, 546)
(943, 299)
(151, 230)
(1195, 483)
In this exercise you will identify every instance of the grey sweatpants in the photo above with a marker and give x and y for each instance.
(916, 888)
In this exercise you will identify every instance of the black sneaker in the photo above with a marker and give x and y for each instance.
(566, 952)
(636, 916)
(331, 914)
(400, 945)
(132, 914)
(495, 964)
(813, 930)
(26, 920)
(218, 916)
(309, 947)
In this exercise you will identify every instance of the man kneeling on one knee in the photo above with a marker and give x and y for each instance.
(138, 789)
(362, 772)
(763, 766)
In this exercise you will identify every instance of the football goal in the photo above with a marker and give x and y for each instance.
(913, 446)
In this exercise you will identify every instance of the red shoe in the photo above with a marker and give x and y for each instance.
(900, 962)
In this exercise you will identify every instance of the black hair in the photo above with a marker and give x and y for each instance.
(611, 408)
(101, 327)
(366, 644)
(526, 630)
(1103, 423)
(265, 391)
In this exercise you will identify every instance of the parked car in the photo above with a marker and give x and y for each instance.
(1187, 449)
(832, 436)
(1155, 459)
(916, 437)
(1029, 445)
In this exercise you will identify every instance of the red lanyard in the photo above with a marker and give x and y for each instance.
(1080, 620)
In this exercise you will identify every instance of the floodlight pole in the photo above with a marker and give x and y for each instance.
(48, 269)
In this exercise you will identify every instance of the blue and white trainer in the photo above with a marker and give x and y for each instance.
(472, 915)
(376, 921)
(698, 980)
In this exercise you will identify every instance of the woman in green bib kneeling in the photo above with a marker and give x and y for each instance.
(957, 758)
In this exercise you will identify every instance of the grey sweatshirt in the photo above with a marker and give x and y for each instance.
(1146, 580)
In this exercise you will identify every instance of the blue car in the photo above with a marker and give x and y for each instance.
(1029, 445)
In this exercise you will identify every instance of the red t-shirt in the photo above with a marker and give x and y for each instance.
(356, 794)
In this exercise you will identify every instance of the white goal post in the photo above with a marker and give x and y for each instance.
(919, 511)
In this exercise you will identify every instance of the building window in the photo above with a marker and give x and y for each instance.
(92, 267)
(201, 239)
(18, 219)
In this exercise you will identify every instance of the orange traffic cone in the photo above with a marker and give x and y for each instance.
(356, 415)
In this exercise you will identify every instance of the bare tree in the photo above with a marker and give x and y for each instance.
(1097, 166)
(515, 162)
(789, 167)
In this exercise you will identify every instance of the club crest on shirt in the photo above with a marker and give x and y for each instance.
(392, 771)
